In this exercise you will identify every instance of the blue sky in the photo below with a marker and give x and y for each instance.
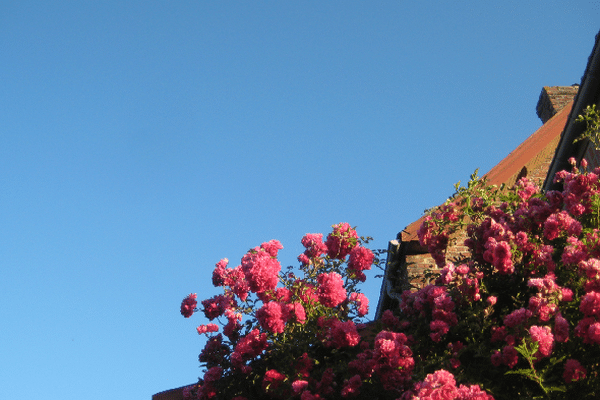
(143, 141)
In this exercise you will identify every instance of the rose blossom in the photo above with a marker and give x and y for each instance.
(360, 260)
(272, 247)
(543, 336)
(261, 269)
(331, 291)
(188, 305)
(297, 310)
(220, 273)
(299, 385)
(313, 242)
(344, 334)
(590, 304)
(574, 371)
(362, 303)
(207, 328)
(272, 316)
(351, 387)
(272, 380)
(341, 241)
(561, 328)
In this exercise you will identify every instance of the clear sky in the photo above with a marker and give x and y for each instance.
(143, 141)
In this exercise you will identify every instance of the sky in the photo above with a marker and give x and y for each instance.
(143, 141)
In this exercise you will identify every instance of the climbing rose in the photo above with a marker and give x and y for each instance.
(362, 303)
(543, 336)
(590, 304)
(207, 328)
(272, 317)
(360, 260)
(344, 334)
(574, 371)
(331, 290)
(272, 380)
(297, 311)
(439, 385)
(261, 269)
(188, 305)
(341, 241)
(299, 385)
(313, 242)
(561, 328)
(272, 247)
(351, 387)
(220, 273)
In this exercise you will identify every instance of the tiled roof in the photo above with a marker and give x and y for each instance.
(529, 154)
(173, 394)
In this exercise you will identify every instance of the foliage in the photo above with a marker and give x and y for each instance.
(518, 318)
(525, 305)
(591, 117)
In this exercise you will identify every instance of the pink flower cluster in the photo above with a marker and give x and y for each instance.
(589, 326)
(188, 305)
(360, 260)
(441, 385)
(534, 273)
(285, 305)
(313, 242)
(274, 315)
(341, 241)
(432, 303)
(234, 279)
(340, 334)
(261, 267)
(331, 291)
(542, 335)
(390, 360)
(574, 371)
(248, 348)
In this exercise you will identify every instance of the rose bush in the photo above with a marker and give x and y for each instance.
(524, 307)
(519, 318)
(287, 336)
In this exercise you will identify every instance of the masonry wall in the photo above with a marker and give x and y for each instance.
(418, 264)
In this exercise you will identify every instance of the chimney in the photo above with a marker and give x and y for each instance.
(553, 99)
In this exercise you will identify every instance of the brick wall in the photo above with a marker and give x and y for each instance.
(417, 264)
(553, 99)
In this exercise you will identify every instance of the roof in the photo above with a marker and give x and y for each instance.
(529, 154)
(589, 93)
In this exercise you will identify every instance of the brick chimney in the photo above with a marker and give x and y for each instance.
(553, 99)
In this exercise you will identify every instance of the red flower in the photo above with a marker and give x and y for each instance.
(331, 290)
(272, 380)
(313, 242)
(574, 371)
(360, 260)
(590, 304)
(362, 303)
(344, 334)
(351, 387)
(217, 305)
(220, 273)
(272, 247)
(272, 316)
(543, 336)
(341, 241)
(261, 269)
(188, 305)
